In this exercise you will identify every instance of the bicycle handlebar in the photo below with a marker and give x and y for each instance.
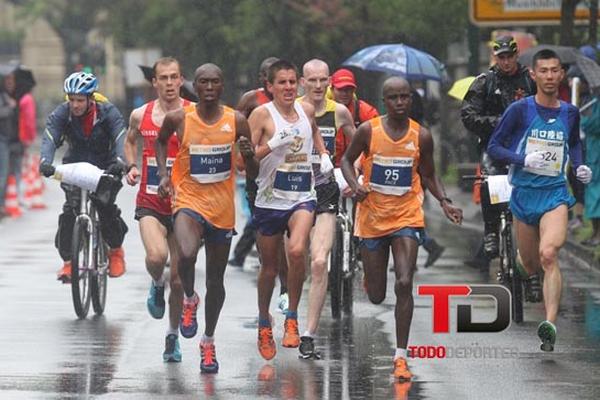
(474, 177)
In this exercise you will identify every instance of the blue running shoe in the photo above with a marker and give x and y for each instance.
(188, 325)
(547, 334)
(208, 356)
(172, 351)
(156, 301)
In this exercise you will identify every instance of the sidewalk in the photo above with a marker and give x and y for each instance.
(580, 255)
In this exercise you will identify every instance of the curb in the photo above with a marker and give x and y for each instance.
(578, 254)
(582, 253)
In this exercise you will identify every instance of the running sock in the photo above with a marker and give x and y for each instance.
(400, 353)
(264, 323)
(160, 282)
(172, 331)
(190, 299)
(207, 339)
(307, 333)
(292, 314)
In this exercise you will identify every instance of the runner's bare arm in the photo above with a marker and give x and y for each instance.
(318, 142)
(359, 144)
(130, 147)
(430, 180)
(257, 123)
(343, 121)
(244, 141)
(173, 122)
(247, 103)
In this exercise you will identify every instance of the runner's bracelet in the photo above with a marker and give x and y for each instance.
(130, 166)
(446, 199)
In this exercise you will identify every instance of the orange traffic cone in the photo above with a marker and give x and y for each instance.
(11, 204)
(37, 184)
(27, 177)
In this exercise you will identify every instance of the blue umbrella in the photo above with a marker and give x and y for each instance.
(398, 59)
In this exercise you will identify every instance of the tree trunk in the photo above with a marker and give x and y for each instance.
(593, 31)
(567, 22)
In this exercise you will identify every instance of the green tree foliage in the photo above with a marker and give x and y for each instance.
(238, 34)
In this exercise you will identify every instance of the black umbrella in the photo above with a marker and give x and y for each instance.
(186, 91)
(567, 55)
(589, 70)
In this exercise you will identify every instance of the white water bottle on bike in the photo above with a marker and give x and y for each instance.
(82, 174)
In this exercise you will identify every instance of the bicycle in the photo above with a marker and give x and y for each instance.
(343, 263)
(89, 271)
(508, 275)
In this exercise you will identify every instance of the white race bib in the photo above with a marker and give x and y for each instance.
(328, 135)
(554, 151)
(499, 189)
(210, 163)
(292, 181)
(152, 178)
(391, 175)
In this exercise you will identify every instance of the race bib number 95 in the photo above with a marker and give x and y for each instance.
(391, 175)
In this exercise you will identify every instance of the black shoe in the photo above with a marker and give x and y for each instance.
(307, 348)
(235, 263)
(490, 245)
(434, 253)
(533, 289)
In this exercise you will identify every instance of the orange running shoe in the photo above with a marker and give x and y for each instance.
(116, 262)
(64, 274)
(291, 338)
(266, 343)
(401, 370)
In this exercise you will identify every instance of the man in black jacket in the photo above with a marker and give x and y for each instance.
(489, 95)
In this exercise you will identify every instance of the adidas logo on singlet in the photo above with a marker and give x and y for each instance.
(226, 128)
(410, 146)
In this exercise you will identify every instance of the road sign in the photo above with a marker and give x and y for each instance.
(521, 12)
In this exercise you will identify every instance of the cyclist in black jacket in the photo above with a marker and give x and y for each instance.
(489, 95)
(94, 132)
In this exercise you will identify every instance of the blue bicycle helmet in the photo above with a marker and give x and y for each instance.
(81, 83)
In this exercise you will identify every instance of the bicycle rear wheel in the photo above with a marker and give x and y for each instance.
(81, 263)
(336, 272)
(100, 276)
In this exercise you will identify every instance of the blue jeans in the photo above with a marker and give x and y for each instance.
(4, 164)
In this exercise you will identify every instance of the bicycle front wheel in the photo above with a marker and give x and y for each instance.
(99, 279)
(81, 263)
(348, 283)
(514, 283)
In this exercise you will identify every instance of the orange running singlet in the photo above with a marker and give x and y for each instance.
(396, 196)
(203, 171)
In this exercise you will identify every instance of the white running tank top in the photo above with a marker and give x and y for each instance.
(285, 177)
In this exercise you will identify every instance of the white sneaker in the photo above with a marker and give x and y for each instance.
(283, 303)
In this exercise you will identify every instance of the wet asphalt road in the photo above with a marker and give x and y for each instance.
(47, 353)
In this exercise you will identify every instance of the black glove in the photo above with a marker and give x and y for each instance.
(116, 169)
(47, 170)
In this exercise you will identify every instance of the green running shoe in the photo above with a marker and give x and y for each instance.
(172, 351)
(547, 334)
